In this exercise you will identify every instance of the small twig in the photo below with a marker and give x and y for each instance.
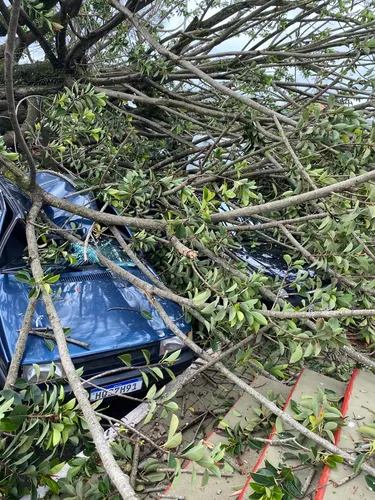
(183, 406)
(140, 434)
(154, 489)
(133, 473)
(205, 281)
(338, 484)
(216, 411)
(200, 426)
(204, 375)
(344, 480)
(111, 163)
(173, 497)
(198, 472)
(368, 409)
(50, 336)
(308, 481)
(124, 309)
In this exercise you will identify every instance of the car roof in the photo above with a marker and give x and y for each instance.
(64, 187)
(19, 202)
(56, 184)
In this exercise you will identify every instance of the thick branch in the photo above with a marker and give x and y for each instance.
(118, 478)
(298, 199)
(8, 80)
(19, 350)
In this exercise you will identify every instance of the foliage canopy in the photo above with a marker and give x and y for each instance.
(171, 111)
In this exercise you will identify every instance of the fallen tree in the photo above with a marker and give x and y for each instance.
(191, 143)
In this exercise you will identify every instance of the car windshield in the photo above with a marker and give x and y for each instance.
(73, 258)
(112, 251)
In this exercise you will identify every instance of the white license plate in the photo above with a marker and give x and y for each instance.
(120, 388)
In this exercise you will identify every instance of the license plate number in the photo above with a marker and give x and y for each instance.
(119, 388)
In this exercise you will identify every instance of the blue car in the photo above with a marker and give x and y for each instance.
(100, 309)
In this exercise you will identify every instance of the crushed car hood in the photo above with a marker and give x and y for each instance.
(101, 310)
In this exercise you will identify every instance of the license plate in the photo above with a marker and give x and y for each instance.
(120, 388)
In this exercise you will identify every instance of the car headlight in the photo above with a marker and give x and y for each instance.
(47, 370)
(171, 344)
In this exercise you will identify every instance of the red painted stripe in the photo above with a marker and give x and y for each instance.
(264, 451)
(324, 478)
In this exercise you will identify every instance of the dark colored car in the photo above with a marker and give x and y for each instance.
(268, 258)
(100, 309)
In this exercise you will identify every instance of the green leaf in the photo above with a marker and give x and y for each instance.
(5, 406)
(11, 156)
(146, 355)
(287, 258)
(296, 355)
(279, 425)
(151, 392)
(37, 370)
(174, 442)
(155, 477)
(308, 351)
(7, 426)
(172, 357)
(358, 462)
(193, 475)
(8, 394)
(23, 459)
(146, 314)
(173, 426)
(262, 479)
(195, 453)
(145, 378)
(50, 344)
(259, 318)
(367, 431)
(171, 405)
(57, 468)
(205, 478)
(370, 480)
(56, 436)
(19, 414)
(126, 359)
(52, 485)
(22, 276)
(202, 297)
(366, 153)
(148, 417)
(102, 487)
(158, 372)
(53, 279)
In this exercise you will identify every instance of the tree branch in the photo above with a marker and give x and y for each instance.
(118, 478)
(13, 372)
(298, 199)
(9, 86)
(196, 71)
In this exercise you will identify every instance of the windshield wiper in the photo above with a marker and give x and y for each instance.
(48, 268)
(10, 270)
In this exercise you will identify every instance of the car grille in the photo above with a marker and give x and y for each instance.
(98, 363)
(86, 277)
